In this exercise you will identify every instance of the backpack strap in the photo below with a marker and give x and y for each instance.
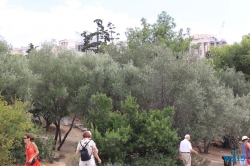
(85, 145)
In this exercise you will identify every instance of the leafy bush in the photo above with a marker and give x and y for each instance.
(153, 159)
(120, 135)
(18, 155)
(45, 147)
(14, 122)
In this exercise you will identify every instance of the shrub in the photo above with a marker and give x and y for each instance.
(119, 136)
(153, 159)
(14, 123)
(18, 155)
(45, 147)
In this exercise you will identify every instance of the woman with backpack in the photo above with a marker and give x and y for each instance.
(31, 151)
(87, 150)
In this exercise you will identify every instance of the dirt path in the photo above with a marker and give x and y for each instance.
(215, 155)
(69, 147)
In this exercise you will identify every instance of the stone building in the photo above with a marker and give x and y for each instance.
(201, 43)
(21, 50)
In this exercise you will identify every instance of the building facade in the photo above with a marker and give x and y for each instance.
(202, 43)
(21, 50)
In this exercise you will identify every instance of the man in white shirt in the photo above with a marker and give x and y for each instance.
(185, 150)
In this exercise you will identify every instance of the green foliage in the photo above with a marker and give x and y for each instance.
(15, 77)
(53, 91)
(101, 36)
(93, 74)
(202, 102)
(113, 146)
(45, 147)
(18, 154)
(160, 32)
(99, 112)
(233, 56)
(234, 80)
(153, 159)
(14, 123)
(31, 47)
(4, 47)
(145, 133)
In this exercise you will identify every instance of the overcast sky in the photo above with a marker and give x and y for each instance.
(35, 21)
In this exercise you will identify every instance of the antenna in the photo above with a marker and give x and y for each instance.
(221, 28)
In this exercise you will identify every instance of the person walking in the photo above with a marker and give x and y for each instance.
(185, 150)
(244, 148)
(31, 151)
(90, 145)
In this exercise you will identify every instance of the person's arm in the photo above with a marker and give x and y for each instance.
(78, 147)
(95, 153)
(194, 151)
(26, 155)
(36, 150)
(248, 145)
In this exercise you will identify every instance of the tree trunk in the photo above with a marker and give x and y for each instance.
(199, 148)
(59, 131)
(206, 148)
(48, 123)
(40, 121)
(64, 138)
(56, 134)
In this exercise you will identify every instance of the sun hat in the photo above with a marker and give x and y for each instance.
(244, 137)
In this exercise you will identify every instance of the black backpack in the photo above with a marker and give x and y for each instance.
(84, 153)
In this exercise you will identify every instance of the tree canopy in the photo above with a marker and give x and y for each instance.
(235, 56)
(160, 32)
(97, 40)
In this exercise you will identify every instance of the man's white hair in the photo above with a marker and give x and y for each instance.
(187, 136)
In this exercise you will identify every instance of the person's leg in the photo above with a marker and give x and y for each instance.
(91, 162)
(80, 162)
(186, 158)
(183, 159)
(189, 160)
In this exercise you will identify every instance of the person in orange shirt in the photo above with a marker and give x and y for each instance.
(31, 151)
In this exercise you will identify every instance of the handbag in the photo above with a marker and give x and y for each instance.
(33, 161)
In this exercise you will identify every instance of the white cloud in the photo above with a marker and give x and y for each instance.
(21, 27)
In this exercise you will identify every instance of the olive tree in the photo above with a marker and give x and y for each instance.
(16, 79)
(53, 92)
